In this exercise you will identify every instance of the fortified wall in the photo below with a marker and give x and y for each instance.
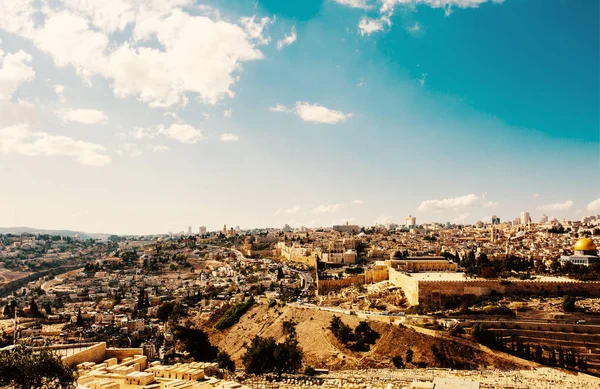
(440, 292)
(370, 276)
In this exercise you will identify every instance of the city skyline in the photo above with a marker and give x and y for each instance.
(117, 118)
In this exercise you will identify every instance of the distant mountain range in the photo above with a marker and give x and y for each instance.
(29, 230)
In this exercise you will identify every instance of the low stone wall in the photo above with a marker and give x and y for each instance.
(95, 353)
(439, 292)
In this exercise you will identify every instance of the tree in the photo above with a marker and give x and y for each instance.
(288, 356)
(289, 328)
(309, 371)
(264, 355)
(364, 336)
(48, 308)
(196, 343)
(79, 320)
(164, 311)
(340, 330)
(141, 299)
(568, 303)
(22, 369)
(34, 309)
(397, 361)
(258, 358)
(225, 361)
(409, 356)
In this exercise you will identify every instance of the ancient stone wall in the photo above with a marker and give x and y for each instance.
(409, 285)
(439, 292)
(95, 353)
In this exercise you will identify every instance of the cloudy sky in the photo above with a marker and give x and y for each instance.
(144, 116)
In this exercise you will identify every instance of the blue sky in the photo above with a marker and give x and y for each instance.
(148, 116)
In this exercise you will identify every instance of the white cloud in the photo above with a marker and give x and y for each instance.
(59, 90)
(289, 211)
(206, 115)
(422, 79)
(556, 206)
(316, 113)
(287, 39)
(255, 28)
(535, 195)
(383, 219)
(14, 71)
(130, 149)
(361, 4)
(461, 218)
(183, 133)
(81, 34)
(594, 206)
(450, 203)
(358, 202)
(228, 137)
(490, 204)
(361, 83)
(414, 29)
(84, 116)
(278, 108)
(158, 148)
(331, 208)
(19, 139)
(367, 26)
(227, 113)
(144, 133)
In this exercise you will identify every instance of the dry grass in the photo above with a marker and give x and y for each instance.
(321, 348)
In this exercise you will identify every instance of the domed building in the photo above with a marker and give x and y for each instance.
(586, 253)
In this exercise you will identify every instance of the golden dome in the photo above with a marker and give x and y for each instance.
(585, 244)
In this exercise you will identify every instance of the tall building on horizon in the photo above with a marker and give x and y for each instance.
(525, 218)
(189, 230)
(202, 230)
(411, 221)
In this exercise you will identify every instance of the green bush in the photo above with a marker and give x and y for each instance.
(233, 314)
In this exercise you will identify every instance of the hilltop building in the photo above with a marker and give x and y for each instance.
(586, 253)
(349, 228)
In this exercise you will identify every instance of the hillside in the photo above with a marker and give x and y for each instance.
(36, 231)
(321, 348)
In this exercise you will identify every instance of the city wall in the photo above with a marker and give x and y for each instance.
(95, 353)
(440, 292)
(308, 260)
(370, 276)
(409, 285)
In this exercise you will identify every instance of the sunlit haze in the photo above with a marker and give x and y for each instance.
(149, 116)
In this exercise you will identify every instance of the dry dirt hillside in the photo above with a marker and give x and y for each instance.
(321, 348)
